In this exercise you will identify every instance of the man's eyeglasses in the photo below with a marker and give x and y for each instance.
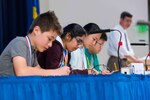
(79, 41)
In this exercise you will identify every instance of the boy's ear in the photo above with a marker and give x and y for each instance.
(68, 36)
(37, 30)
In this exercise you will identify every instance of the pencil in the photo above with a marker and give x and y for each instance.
(115, 65)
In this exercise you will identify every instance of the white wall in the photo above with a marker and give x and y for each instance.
(105, 13)
(44, 5)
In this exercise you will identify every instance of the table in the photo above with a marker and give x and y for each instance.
(76, 87)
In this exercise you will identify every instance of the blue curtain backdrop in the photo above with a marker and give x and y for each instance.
(77, 87)
(15, 19)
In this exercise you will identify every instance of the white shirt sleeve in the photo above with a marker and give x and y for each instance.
(78, 60)
(75, 60)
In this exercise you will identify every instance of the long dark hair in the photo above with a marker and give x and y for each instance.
(74, 29)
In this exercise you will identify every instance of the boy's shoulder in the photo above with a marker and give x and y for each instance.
(19, 38)
(18, 41)
(16, 46)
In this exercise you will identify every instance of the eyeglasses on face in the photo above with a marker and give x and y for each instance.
(100, 44)
(79, 41)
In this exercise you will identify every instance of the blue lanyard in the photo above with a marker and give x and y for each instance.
(64, 58)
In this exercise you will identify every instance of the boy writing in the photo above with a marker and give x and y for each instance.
(19, 57)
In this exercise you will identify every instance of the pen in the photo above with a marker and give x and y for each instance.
(115, 66)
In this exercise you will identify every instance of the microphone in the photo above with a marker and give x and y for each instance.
(103, 30)
(106, 30)
(119, 43)
(142, 22)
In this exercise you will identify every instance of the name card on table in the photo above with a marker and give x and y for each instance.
(137, 68)
(126, 70)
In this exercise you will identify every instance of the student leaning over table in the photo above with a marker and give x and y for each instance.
(91, 55)
(59, 54)
(19, 57)
(78, 58)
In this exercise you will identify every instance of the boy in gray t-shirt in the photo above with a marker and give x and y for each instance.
(19, 57)
(17, 47)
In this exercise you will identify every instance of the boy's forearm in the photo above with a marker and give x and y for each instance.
(29, 71)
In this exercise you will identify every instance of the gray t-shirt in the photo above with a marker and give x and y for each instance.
(17, 47)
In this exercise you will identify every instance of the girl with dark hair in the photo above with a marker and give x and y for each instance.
(85, 58)
(59, 54)
(78, 58)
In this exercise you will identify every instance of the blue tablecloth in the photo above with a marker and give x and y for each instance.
(76, 87)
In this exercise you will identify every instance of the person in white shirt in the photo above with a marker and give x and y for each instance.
(126, 52)
(78, 59)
